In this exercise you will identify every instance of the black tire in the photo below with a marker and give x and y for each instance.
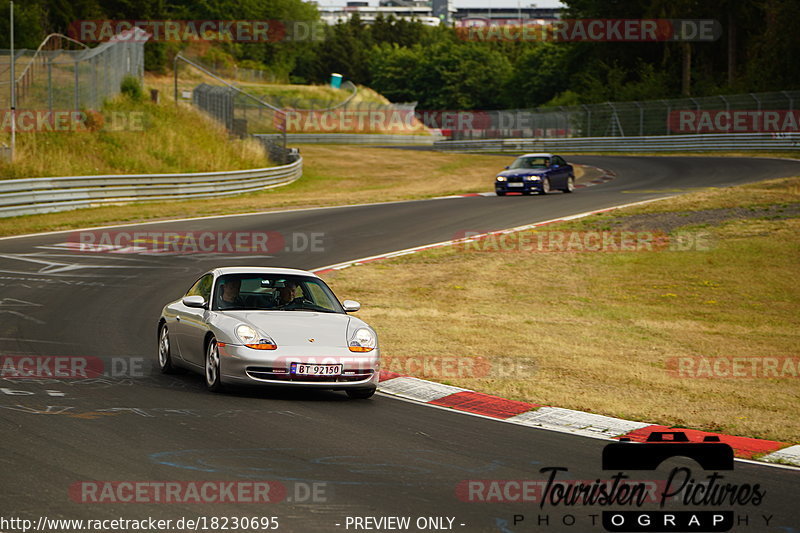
(164, 355)
(212, 373)
(498, 193)
(360, 394)
(570, 185)
(545, 186)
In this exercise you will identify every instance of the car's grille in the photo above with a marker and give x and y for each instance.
(515, 179)
(282, 374)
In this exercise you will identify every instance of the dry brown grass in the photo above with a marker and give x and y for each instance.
(333, 175)
(598, 328)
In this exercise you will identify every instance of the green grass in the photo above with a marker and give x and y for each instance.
(164, 139)
(599, 329)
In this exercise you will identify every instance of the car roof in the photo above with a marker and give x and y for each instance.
(536, 155)
(262, 270)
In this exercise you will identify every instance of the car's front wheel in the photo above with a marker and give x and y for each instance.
(164, 356)
(360, 394)
(500, 193)
(546, 186)
(570, 184)
(213, 382)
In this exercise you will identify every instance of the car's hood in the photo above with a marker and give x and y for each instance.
(295, 328)
(521, 172)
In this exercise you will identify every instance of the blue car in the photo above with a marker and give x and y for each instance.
(540, 173)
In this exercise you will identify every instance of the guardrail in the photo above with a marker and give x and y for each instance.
(661, 143)
(354, 138)
(48, 195)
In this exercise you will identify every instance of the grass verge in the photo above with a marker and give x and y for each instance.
(599, 331)
(333, 175)
(133, 138)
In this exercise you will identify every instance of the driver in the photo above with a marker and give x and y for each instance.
(230, 293)
(288, 293)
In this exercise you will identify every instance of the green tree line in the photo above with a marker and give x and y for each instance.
(443, 68)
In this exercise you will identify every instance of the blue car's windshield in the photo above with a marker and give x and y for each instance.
(273, 292)
(530, 162)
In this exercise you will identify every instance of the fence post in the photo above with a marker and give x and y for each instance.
(50, 84)
(77, 86)
(641, 118)
(588, 120)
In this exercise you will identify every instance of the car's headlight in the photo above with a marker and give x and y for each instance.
(501, 178)
(532, 178)
(253, 339)
(362, 340)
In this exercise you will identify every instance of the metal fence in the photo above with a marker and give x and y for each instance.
(47, 195)
(254, 110)
(773, 142)
(353, 138)
(54, 77)
(741, 113)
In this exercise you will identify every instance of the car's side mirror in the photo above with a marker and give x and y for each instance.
(351, 306)
(197, 302)
(555, 165)
(506, 167)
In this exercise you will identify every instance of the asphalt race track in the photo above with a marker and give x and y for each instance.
(378, 458)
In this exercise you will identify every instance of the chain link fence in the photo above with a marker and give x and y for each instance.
(64, 75)
(742, 113)
(270, 117)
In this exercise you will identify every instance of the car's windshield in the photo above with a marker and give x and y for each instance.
(530, 162)
(274, 292)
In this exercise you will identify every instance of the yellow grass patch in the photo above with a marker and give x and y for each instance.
(597, 331)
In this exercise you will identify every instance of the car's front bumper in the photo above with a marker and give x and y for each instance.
(518, 186)
(243, 365)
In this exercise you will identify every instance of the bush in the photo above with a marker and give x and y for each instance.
(131, 87)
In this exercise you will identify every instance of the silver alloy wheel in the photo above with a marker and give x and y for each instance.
(163, 348)
(570, 184)
(212, 365)
(546, 186)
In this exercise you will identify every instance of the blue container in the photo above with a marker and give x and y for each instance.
(336, 81)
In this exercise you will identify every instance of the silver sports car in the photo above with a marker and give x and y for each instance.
(272, 326)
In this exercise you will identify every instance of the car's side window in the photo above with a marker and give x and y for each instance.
(202, 287)
(558, 161)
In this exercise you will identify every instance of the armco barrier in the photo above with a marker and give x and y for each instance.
(47, 195)
(355, 138)
(722, 142)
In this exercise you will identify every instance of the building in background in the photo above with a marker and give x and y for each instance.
(419, 10)
(500, 16)
(435, 12)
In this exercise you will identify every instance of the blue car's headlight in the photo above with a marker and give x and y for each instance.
(501, 178)
(532, 178)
